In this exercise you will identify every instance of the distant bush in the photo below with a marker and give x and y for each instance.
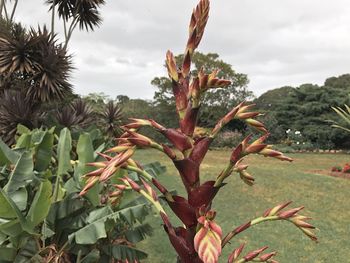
(228, 139)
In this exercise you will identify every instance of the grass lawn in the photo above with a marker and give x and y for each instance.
(326, 200)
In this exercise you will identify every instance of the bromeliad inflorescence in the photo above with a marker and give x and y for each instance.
(200, 239)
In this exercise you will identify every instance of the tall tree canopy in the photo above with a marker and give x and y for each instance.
(308, 107)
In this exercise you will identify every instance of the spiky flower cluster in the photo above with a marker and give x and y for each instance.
(200, 238)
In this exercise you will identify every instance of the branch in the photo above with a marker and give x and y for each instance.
(6, 14)
(2, 4)
(53, 18)
(13, 10)
(274, 214)
(70, 31)
(245, 226)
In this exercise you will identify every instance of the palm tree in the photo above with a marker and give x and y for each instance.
(84, 13)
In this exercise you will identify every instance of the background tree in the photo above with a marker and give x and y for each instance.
(308, 107)
(84, 13)
(216, 102)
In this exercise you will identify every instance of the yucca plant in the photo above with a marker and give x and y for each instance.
(16, 109)
(36, 59)
(110, 119)
(78, 114)
(200, 239)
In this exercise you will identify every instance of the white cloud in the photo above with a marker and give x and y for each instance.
(275, 42)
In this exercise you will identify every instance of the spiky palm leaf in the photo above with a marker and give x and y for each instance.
(76, 115)
(84, 12)
(111, 119)
(51, 80)
(36, 58)
(16, 109)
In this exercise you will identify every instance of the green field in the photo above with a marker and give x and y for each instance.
(326, 200)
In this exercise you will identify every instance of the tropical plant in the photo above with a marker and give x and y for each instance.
(200, 239)
(32, 60)
(110, 119)
(344, 114)
(42, 217)
(78, 114)
(84, 13)
(34, 72)
(16, 109)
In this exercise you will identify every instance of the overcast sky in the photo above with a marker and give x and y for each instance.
(275, 42)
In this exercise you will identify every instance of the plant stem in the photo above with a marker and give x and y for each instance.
(2, 4)
(13, 10)
(6, 14)
(56, 189)
(53, 18)
(140, 172)
(240, 229)
(70, 31)
(65, 29)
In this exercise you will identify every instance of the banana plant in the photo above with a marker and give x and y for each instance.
(42, 217)
(200, 238)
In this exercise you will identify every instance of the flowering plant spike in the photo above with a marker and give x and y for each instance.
(200, 239)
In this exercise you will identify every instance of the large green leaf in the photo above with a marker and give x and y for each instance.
(6, 210)
(20, 198)
(63, 152)
(70, 205)
(138, 233)
(40, 206)
(16, 210)
(7, 156)
(7, 253)
(85, 153)
(11, 227)
(96, 227)
(92, 257)
(24, 141)
(21, 174)
(44, 152)
(122, 252)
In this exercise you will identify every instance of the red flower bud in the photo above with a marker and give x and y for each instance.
(253, 254)
(236, 253)
(171, 66)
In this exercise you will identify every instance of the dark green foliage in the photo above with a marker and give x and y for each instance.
(307, 109)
